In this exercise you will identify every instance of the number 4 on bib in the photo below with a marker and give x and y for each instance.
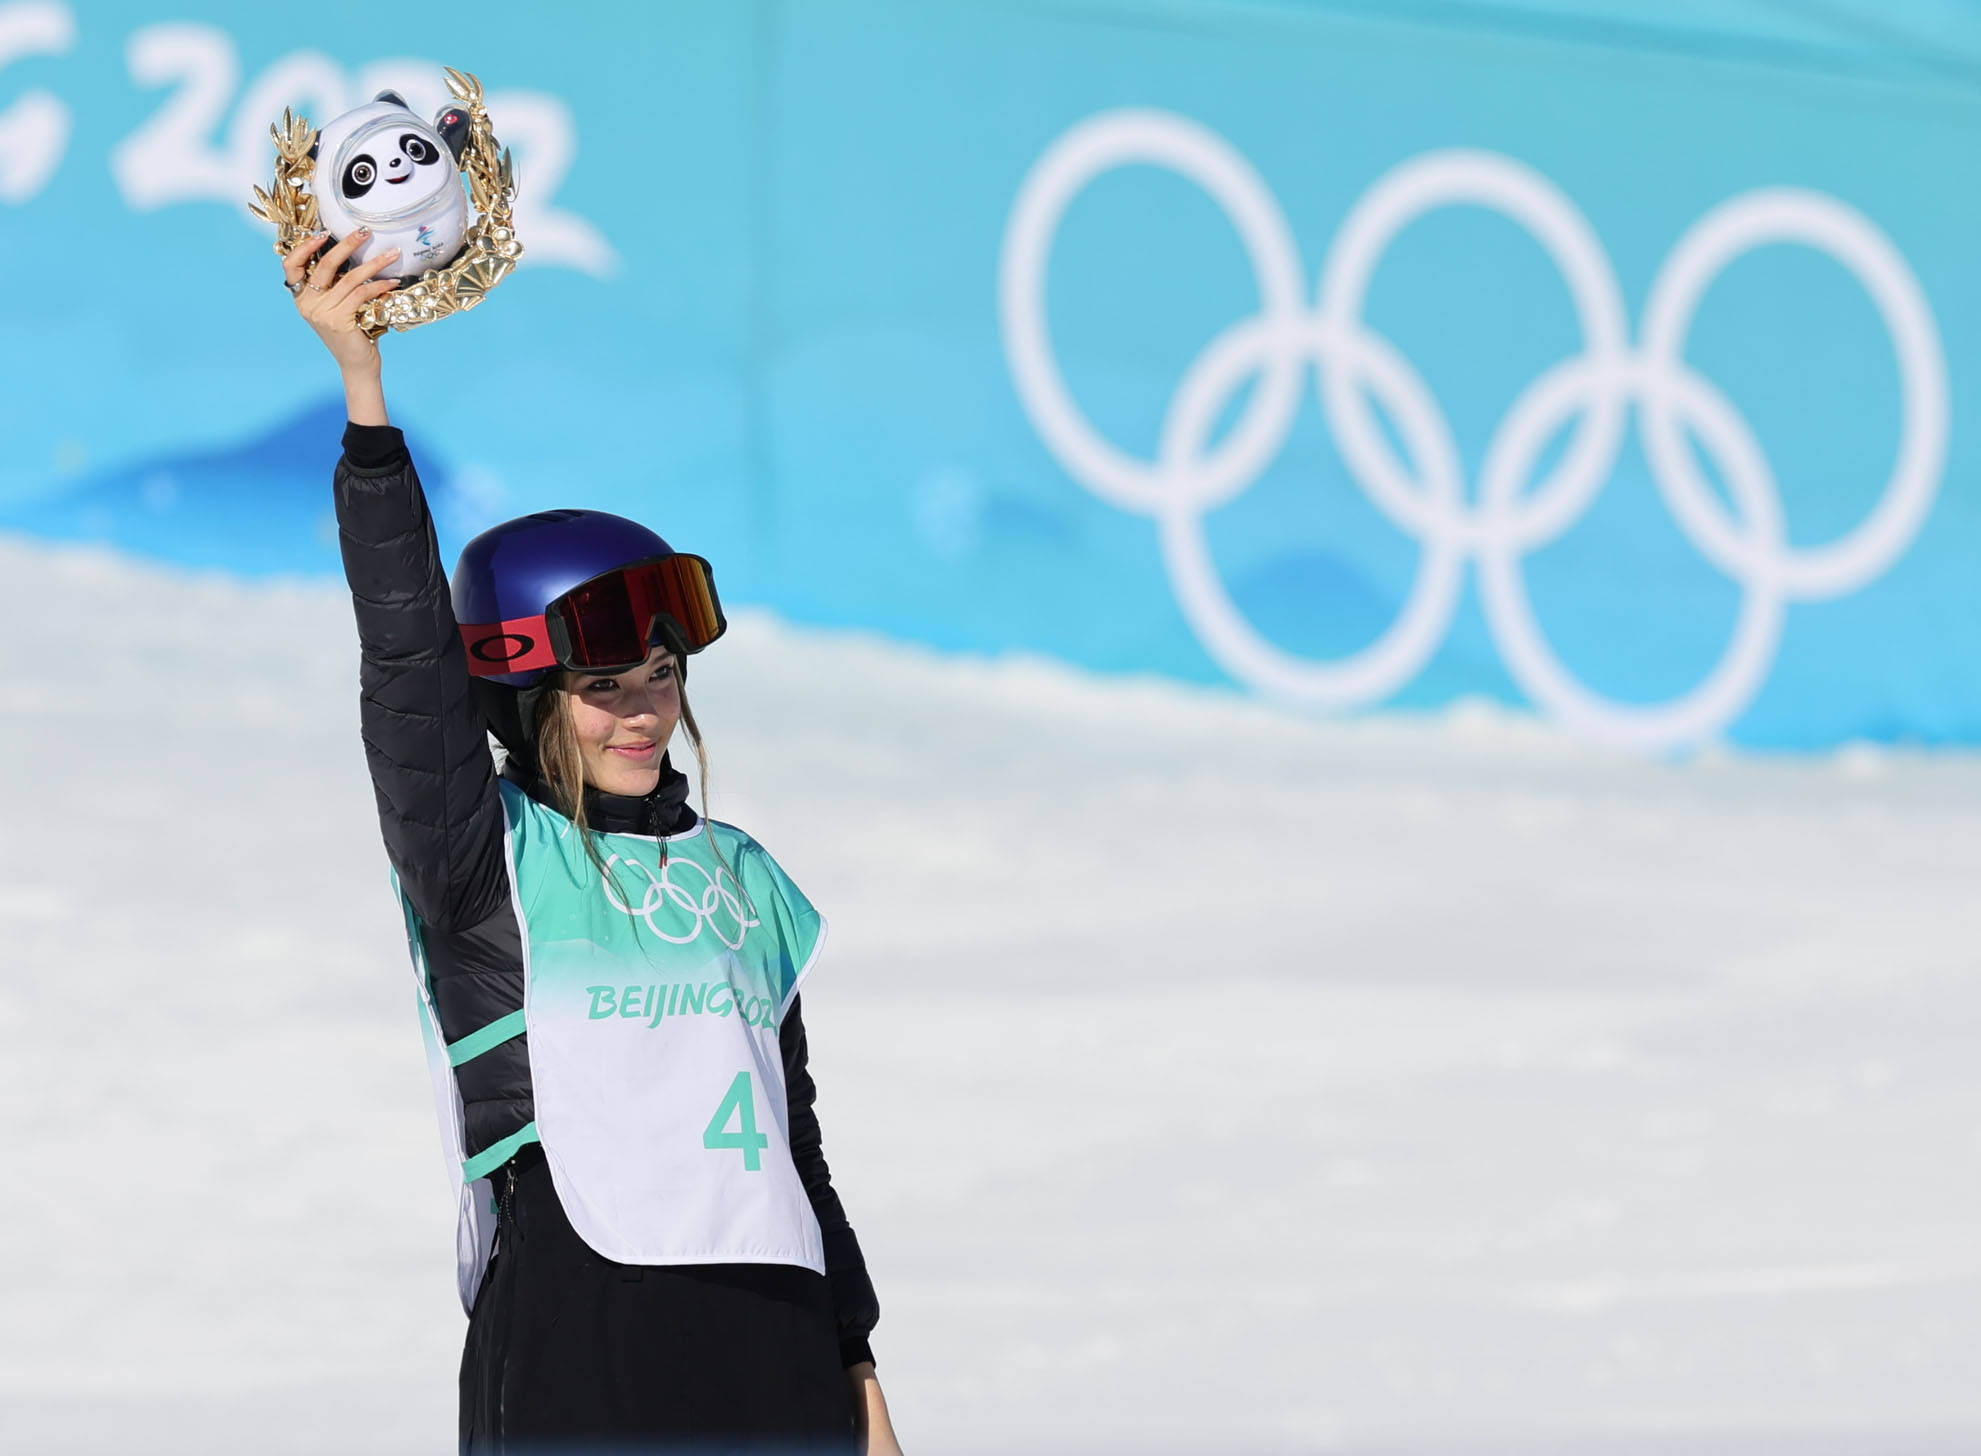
(741, 1104)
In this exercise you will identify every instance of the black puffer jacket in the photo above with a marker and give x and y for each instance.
(428, 751)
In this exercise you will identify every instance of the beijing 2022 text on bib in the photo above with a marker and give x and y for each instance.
(653, 997)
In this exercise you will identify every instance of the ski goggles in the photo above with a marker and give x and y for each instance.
(607, 624)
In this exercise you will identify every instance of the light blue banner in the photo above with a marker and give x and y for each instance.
(1609, 359)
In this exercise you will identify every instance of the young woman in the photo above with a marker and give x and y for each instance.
(650, 1248)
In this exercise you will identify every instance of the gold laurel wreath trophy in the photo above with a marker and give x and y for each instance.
(490, 247)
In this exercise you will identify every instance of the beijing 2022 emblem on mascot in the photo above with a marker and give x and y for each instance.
(382, 166)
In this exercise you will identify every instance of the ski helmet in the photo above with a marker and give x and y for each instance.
(585, 590)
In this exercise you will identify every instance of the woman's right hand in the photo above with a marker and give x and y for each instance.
(332, 308)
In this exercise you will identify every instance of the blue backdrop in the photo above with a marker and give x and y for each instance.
(1610, 358)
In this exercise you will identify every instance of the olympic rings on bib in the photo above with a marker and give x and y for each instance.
(1422, 492)
(721, 900)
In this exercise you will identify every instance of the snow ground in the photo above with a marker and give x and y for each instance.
(1199, 1079)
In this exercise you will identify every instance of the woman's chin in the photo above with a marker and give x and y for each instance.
(626, 780)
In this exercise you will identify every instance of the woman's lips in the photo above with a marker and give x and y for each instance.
(632, 750)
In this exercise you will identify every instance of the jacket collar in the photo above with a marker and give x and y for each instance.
(662, 812)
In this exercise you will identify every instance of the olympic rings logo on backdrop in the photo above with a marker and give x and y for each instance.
(721, 901)
(1423, 491)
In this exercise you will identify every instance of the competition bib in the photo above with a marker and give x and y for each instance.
(655, 990)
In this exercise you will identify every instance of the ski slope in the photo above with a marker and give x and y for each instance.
(1199, 1078)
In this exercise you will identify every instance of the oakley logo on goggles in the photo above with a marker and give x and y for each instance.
(608, 623)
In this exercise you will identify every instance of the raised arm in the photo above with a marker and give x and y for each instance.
(424, 739)
(425, 742)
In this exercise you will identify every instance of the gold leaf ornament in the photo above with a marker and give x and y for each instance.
(489, 251)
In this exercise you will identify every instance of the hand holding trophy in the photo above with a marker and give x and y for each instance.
(386, 186)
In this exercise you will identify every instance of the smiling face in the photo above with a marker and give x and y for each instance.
(401, 160)
(395, 163)
(623, 722)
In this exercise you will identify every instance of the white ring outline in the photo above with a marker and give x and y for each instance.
(1794, 215)
(1157, 139)
(1529, 657)
(1401, 651)
(1456, 178)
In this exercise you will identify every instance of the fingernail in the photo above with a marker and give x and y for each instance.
(391, 253)
(364, 232)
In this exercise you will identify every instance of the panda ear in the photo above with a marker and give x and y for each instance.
(452, 124)
(394, 97)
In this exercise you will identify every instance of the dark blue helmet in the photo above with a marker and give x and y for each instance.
(517, 569)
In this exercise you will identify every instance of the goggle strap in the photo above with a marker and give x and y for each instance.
(521, 645)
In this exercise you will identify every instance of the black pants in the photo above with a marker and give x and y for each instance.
(569, 1352)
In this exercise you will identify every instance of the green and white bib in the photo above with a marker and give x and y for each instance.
(653, 997)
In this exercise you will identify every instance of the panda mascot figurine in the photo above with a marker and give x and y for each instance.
(382, 167)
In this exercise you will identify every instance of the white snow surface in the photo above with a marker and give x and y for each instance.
(1198, 1077)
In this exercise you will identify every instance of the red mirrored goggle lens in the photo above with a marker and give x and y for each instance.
(608, 622)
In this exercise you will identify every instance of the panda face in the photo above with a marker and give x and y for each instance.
(363, 172)
(380, 166)
(394, 165)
